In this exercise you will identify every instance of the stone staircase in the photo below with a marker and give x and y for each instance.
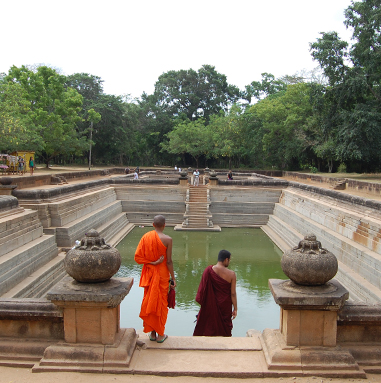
(24, 251)
(71, 217)
(197, 215)
(352, 233)
(30, 260)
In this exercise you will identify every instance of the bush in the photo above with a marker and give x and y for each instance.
(342, 168)
(310, 168)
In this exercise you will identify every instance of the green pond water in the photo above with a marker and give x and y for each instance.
(255, 259)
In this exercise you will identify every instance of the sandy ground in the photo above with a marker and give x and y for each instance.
(21, 375)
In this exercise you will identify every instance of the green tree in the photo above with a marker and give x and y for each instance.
(17, 130)
(285, 118)
(267, 86)
(53, 109)
(191, 137)
(195, 94)
(93, 118)
(352, 114)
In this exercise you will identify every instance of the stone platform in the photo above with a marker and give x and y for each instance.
(181, 228)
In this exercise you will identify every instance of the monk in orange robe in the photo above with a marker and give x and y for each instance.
(154, 252)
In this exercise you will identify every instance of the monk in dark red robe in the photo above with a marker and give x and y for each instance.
(218, 299)
(154, 252)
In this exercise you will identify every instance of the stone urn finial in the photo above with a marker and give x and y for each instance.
(92, 260)
(5, 180)
(308, 263)
(213, 174)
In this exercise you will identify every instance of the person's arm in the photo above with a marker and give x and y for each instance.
(234, 295)
(157, 262)
(170, 263)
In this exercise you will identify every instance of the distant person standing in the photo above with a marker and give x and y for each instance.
(31, 165)
(196, 177)
(20, 166)
(218, 299)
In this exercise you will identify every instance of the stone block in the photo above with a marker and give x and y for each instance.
(90, 310)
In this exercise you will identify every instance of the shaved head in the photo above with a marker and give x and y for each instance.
(159, 221)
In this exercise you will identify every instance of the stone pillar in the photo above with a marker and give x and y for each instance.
(183, 178)
(309, 305)
(94, 341)
(308, 313)
(91, 310)
(213, 180)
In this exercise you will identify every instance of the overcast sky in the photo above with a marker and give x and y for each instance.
(130, 43)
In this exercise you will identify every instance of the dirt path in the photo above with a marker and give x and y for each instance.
(327, 186)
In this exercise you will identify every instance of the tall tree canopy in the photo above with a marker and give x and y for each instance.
(195, 94)
(351, 118)
(52, 110)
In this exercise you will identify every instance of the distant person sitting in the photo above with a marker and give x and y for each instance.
(218, 299)
(127, 170)
(230, 175)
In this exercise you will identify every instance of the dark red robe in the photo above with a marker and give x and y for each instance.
(215, 315)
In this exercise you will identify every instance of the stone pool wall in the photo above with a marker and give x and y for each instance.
(38, 224)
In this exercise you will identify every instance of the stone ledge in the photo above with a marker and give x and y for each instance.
(111, 292)
(329, 297)
(33, 309)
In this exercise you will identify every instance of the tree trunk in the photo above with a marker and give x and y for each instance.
(330, 166)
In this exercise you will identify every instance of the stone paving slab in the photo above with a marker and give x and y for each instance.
(203, 343)
(201, 363)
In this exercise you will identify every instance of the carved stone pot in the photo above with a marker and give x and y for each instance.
(92, 261)
(309, 264)
(5, 180)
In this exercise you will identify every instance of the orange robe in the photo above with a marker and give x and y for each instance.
(155, 280)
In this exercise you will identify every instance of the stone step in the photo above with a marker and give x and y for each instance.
(39, 282)
(121, 234)
(66, 211)
(365, 262)
(284, 232)
(358, 223)
(15, 231)
(273, 235)
(286, 226)
(18, 264)
(112, 227)
(201, 356)
(76, 230)
(244, 220)
(15, 352)
(242, 208)
(203, 212)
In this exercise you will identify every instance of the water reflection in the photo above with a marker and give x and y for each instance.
(255, 259)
